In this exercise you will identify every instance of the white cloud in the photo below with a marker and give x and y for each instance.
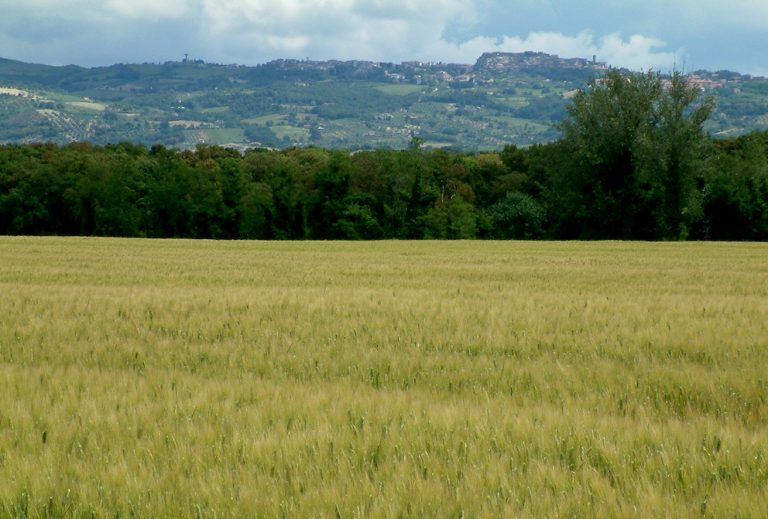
(637, 52)
(254, 31)
(294, 15)
(104, 11)
(393, 31)
(147, 9)
(345, 29)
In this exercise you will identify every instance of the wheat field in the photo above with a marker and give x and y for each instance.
(152, 378)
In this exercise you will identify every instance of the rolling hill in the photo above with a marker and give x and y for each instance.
(502, 99)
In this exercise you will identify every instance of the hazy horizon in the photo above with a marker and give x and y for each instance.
(680, 34)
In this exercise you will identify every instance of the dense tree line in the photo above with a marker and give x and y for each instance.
(632, 163)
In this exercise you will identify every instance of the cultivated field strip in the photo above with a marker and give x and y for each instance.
(175, 378)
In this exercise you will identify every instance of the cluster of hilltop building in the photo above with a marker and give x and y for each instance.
(517, 61)
(489, 63)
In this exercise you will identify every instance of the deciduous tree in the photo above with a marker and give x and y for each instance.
(631, 146)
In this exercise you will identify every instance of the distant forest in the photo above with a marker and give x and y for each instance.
(632, 163)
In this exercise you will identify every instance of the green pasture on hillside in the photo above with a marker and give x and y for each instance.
(167, 378)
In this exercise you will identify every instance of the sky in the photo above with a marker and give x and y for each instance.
(638, 34)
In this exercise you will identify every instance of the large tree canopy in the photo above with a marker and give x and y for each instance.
(631, 149)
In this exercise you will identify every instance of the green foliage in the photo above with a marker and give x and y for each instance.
(453, 219)
(358, 220)
(633, 162)
(518, 217)
(354, 105)
(344, 105)
(261, 134)
(735, 193)
(630, 153)
(257, 208)
(549, 107)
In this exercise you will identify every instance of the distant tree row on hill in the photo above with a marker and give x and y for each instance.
(632, 163)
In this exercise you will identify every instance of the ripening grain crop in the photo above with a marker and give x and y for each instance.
(243, 379)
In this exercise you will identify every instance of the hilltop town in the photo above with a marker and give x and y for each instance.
(503, 98)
